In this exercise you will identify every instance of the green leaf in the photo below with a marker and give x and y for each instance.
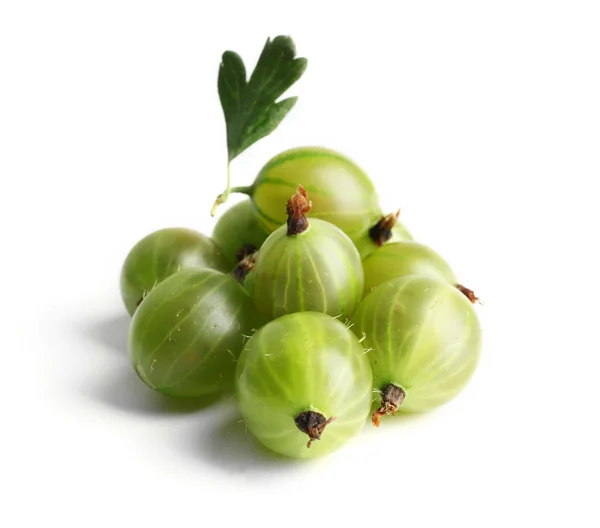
(231, 83)
(250, 107)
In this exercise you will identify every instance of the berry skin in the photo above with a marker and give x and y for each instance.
(399, 259)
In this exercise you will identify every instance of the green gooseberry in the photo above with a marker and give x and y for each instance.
(399, 259)
(306, 266)
(163, 253)
(343, 194)
(304, 377)
(238, 231)
(189, 331)
(424, 342)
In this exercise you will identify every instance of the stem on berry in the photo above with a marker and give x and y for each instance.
(297, 207)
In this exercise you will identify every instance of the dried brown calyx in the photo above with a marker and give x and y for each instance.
(245, 266)
(392, 397)
(469, 294)
(297, 207)
(313, 424)
(381, 232)
(244, 251)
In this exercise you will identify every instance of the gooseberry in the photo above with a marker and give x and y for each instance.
(238, 232)
(342, 193)
(187, 334)
(162, 253)
(301, 378)
(424, 342)
(399, 259)
(306, 266)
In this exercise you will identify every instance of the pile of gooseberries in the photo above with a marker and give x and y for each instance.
(316, 309)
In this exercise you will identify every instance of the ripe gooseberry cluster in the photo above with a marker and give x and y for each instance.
(305, 311)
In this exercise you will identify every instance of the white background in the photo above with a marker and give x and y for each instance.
(481, 120)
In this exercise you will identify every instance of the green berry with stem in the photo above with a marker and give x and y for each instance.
(306, 265)
(304, 385)
(341, 191)
(424, 342)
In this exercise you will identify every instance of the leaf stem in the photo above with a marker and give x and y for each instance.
(244, 189)
(224, 196)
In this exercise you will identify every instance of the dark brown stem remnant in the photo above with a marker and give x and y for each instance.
(313, 424)
(297, 207)
(381, 232)
(244, 251)
(392, 397)
(469, 294)
(246, 265)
